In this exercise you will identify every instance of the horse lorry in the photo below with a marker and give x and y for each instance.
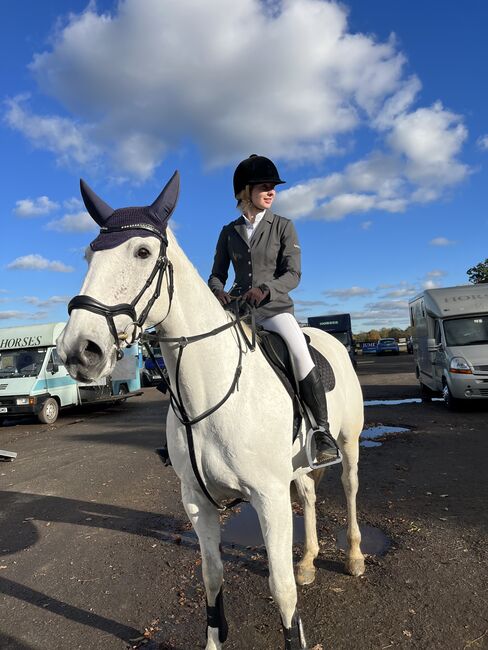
(450, 342)
(339, 325)
(34, 381)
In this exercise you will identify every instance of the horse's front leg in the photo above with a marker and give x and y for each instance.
(205, 520)
(275, 516)
(305, 486)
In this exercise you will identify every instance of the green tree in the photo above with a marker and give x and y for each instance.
(479, 273)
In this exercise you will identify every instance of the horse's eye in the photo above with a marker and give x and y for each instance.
(143, 253)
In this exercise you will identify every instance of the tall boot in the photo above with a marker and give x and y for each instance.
(312, 393)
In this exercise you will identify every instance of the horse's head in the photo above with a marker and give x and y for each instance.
(127, 263)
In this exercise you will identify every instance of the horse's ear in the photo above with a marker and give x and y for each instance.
(163, 206)
(98, 209)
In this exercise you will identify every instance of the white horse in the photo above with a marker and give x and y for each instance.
(243, 449)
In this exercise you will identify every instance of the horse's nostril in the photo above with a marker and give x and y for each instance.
(92, 353)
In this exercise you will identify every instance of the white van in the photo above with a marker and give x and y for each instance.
(450, 342)
(34, 381)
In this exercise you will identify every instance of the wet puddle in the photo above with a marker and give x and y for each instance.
(373, 540)
(243, 528)
(375, 436)
(396, 402)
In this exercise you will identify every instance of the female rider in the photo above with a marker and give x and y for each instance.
(264, 250)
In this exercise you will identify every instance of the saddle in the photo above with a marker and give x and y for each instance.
(277, 354)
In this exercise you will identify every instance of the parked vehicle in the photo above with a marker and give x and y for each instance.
(368, 347)
(339, 325)
(451, 342)
(150, 374)
(34, 381)
(387, 346)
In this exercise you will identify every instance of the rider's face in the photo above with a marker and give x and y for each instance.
(262, 195)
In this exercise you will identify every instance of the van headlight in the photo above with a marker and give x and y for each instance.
(460, 366)
(22, 401)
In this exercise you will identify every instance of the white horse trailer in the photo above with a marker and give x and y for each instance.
(450, 342)
(34, 380)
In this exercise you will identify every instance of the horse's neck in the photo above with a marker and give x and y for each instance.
(208, 364)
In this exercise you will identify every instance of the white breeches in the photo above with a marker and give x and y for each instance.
(287, 327)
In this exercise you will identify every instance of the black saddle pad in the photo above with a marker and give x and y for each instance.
(276, 351)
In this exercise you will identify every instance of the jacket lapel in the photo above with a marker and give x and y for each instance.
(240, 227)
(262, 227)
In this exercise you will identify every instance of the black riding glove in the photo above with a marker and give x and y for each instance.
(256, 295)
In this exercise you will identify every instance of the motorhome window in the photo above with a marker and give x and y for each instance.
(437, 332)
(343, 337)
(466, 331)
(21, 363)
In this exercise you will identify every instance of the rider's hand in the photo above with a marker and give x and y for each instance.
(223, 297)
(255, 296)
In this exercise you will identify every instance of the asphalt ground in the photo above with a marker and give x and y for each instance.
(96, 551)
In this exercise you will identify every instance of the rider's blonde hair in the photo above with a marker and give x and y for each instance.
(244, 202)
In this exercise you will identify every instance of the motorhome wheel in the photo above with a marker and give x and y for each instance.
(49, 412)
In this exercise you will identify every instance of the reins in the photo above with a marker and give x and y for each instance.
(161, 267)
(175, 395)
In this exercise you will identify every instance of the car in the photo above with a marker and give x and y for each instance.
(385, 346)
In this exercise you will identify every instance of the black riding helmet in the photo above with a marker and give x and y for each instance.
(253, 170)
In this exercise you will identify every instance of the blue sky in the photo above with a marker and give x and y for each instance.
(375, 114)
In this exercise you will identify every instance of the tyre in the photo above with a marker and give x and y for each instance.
(451, 402)
(49, 412)
(425, 393)
(123, 390)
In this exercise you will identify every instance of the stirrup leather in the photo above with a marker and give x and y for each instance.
(311, 457)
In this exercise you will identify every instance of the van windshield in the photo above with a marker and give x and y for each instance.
(21, 363)
(471, 330)
(343, 337)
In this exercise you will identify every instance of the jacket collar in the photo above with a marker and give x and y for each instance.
(240, 226)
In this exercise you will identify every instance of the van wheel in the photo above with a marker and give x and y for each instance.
(123, 390)
(425, 393)
(451, 402)
(49, 412)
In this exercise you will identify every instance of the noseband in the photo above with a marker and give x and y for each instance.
(161, 266)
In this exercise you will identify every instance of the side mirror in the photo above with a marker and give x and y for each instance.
(54, 368)
(432, 346)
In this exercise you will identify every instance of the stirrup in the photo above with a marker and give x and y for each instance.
(310, 456)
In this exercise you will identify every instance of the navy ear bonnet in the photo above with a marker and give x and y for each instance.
(117, 226)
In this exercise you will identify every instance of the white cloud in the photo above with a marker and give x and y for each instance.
(366, 225)
(34, 208)
(10, 315)
(73, 204)
(38, 263)
(151, 76)
(62, 136)
(48, 302)
(392, 305)
(351, 292)
(432, 279)
(79, 222)
(482, 142)
(441, 241)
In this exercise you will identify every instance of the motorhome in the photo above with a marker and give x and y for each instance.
(450, 342)
(34, 381)
(339, 325)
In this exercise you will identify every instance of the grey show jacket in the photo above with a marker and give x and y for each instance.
(272, 257)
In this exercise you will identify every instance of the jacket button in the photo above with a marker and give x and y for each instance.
(249, 262)
(250, 274)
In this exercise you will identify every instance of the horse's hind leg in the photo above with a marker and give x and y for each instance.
(205, 520)
(354, 564)
(275, 517)
(305, 486)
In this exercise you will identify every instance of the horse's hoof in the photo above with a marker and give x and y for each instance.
(355, 567)
(305, 576)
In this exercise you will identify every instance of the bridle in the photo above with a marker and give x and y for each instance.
(161, 267)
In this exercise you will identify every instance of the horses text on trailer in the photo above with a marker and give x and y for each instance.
(450, 342)
(339, 325)
(34, 381)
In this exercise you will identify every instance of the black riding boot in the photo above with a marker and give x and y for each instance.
(312, 393)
